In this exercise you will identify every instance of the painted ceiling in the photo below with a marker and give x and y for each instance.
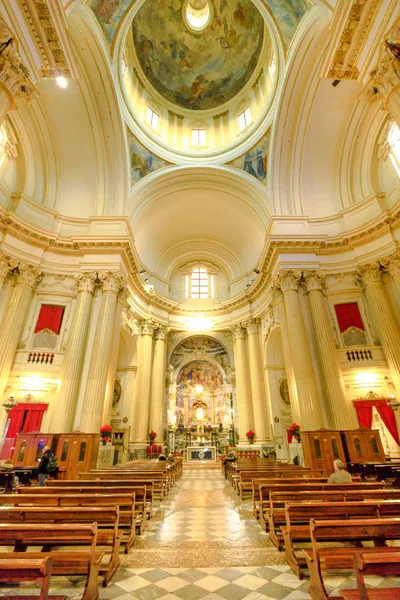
(199, 70)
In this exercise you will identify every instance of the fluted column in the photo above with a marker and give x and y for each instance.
(92, 413)
(64, 415)
(262, 417)
(122, 303)
(243, 394)
(342, 414)
(156, 419)
(307, 392)
(143, 382)
(386, 323)
(277, 298)
(14, 318)
(393, 267)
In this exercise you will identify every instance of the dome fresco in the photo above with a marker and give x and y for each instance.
(198, 70)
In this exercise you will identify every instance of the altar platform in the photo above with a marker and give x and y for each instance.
(201, 453)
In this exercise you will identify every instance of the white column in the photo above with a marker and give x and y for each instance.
(262, 417)
(14, 318)
(243, 394)
(140, 423)
(112, 367)
(342, 413)
(307, 392)
(386, 322)
(157, 399)
(92, 413)
(277, 298)
(63, 418)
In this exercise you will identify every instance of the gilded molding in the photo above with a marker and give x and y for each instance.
(13, 73)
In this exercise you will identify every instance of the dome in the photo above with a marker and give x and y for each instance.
(198, 54)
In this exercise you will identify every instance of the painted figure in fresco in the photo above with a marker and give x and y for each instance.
(248, 164)
(261, 164)
(241, 16)
(146, 48)
(141, 166)
(107, 10)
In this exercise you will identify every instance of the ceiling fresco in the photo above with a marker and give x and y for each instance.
(201, 347)
(254, 162)
(198, 70)
(143, 162)
(286, 13)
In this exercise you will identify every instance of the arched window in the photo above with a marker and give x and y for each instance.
(200, 281)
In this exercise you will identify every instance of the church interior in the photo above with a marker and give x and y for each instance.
(199, 292)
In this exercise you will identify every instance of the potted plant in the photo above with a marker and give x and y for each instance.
(250, 436)
(152, 436)
(293, 433)
(105, 433)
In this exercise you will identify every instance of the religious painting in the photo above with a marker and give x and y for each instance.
(287, 15)
(254, 162)
(143, 162)
(109, 14)
(117, 393)
(198, 70)
(199, 345)
(284, 391)
(200, 372)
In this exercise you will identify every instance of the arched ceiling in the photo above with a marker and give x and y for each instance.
(198, 69)
(178, 208)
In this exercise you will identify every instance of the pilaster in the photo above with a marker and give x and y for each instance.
(156, 418)
(244, 403)
(140, 422)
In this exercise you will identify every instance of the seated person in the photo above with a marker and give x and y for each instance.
(171, 458)
(6, 466)
(340, 475)
(162, 457)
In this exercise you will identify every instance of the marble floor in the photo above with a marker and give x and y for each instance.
(203, 543)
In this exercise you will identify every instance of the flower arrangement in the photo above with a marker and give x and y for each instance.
(152, 436)
(192, 428)
(293, 431)
(250, 436)
(209, 427)
(105, 434)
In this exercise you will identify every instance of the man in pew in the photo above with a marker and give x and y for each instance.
(339, 475)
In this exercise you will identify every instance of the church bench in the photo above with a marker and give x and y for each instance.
(272, 500)
(125, 502)
(75, 561)
(158, 478)
(28, 569)
(297, 523)
(375, 563)
(120, 484)
(341, 558)
(257, 483)
(107, 518)
(143, 507)
(245, 481)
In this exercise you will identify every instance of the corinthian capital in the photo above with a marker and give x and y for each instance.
(288, 280)
(111, 281)
(252, 325)
(392, 264)
(161, 332)
(369, 274)
(13, 73)
(86, 282)
(276, 296)
(28, 275)
(238, 332)
(383, 79)
(148, 327)
(313, 280)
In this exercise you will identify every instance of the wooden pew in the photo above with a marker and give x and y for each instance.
(269, 481)
(375, 563)
(158, 478)
(245, 481)
(268, 510)
(143, 510)
(125, 502)
(28, 569)
(297, 528)
(107, 519)
(120, 485)
(339, 558)
(85, 561)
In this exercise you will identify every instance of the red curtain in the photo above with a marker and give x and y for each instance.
(364, 414)
(348, 315)
(50, 317)
(33, 415)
